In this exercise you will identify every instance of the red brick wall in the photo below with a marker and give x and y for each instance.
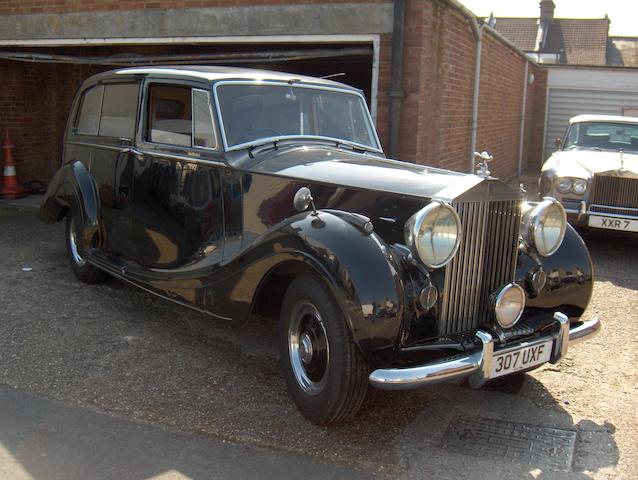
(438, 64)
(34, 103)
(438, 77)
(500, 105)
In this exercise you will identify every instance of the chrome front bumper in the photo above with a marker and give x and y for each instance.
(476, 366)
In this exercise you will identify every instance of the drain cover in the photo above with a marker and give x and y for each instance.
(517, 442)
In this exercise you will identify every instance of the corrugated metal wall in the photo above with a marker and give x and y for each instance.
(564, 103)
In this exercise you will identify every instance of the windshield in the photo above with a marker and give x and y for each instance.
(252, 112)
(603, 135)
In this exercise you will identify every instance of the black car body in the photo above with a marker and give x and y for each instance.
(236, 191)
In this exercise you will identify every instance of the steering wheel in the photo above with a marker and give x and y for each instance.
(257, 133)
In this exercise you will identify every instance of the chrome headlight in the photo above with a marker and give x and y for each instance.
(579, 186)
(564, 185)
(543, 226)
(433, 234)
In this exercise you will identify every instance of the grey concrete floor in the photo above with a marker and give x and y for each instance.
(46, 439)
(121, 352)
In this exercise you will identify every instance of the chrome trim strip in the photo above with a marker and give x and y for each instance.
(99, 145)
(296, 85)
(183, 158)
(613, 208)
(476, 366)
(121, 274)
(612, 215)
(140, 151)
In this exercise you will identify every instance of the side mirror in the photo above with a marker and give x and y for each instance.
(303, 199)
(559, 143)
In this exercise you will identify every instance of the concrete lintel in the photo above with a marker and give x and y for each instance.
(333, 19)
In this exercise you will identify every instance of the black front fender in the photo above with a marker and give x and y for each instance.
(73, 188)
(569, 273)
(358, 267)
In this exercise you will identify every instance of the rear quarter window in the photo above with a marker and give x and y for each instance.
(88, 120)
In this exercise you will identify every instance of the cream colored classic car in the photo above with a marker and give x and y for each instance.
(594, 172)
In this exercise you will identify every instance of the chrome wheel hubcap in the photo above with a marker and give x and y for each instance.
(73, 242)
(308, 348)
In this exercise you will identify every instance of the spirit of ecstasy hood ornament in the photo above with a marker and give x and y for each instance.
(482, 167)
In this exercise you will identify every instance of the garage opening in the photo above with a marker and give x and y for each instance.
(40, 82)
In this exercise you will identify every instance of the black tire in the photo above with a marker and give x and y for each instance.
(339, 392)
(84, 271)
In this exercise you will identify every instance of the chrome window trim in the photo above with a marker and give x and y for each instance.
(287, 137)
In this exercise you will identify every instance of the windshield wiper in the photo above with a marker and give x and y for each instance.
(262, 147)
(351, 146)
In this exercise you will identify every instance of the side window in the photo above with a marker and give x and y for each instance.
(203, 132)
(169, 115)
(119, 109)
(88, 120)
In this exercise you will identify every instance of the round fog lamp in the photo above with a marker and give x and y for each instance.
(428, 296)
(508, 305)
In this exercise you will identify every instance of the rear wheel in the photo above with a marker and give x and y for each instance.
(326, 374)
(84, 271)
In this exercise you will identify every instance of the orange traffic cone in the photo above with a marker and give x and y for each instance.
(10, 186)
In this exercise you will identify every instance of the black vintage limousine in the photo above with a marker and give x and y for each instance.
(236, 192)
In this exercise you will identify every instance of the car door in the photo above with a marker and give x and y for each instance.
(101, 139)
(176, 204)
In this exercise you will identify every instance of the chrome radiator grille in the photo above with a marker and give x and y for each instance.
(486, 260)
(614, 191)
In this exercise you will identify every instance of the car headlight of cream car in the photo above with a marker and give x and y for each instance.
(543, 226)
(579, 186)
(564, 185)
(433, 234)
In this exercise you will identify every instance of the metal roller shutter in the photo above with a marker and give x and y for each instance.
(565, 103)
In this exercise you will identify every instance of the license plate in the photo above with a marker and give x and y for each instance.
(520, 358)
(611, 223)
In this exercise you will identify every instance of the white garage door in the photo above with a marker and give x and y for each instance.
(565, 103)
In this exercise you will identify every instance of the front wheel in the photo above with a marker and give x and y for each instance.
(326, 374)
(84, 271)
